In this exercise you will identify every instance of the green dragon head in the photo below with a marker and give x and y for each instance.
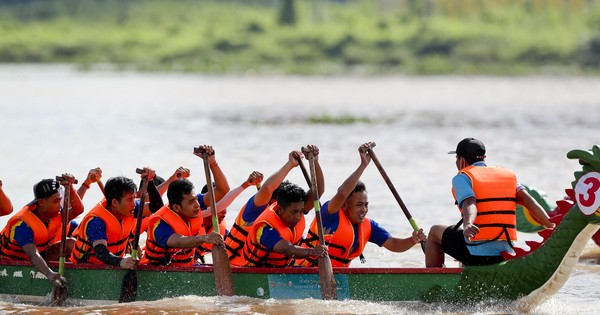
(586, 185)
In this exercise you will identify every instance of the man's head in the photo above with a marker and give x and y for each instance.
(183, 199)
(470, 149)
(120, 196)
(290, 203)
(357, 204)
(48, 197)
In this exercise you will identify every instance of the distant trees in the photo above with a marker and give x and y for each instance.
(287, 14)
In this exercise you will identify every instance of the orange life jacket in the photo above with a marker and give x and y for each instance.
(155, 254)
(42, 234)
(495, 194)
(339, 242)
(256, 254)
(237, 237)
(117, 235)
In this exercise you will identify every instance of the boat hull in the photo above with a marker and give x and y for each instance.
(87, 284)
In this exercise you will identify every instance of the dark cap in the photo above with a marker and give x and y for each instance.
(470, 148)
(45, 188)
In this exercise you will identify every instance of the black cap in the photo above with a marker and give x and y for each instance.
(470, 148)
(45, 188)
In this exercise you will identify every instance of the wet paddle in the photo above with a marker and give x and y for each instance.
(394, 192)
(328, 291)
(221, 267)
(130, 284)
(59, 293)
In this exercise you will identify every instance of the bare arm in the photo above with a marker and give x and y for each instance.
(253, 179)
(180, 173)
(6, 206)
(180, 241)
(290, 250)
(525, 199)
(40, 264)
(350, 183)
(263, 196)
(398, 245)
(469, 213)
(94, 175)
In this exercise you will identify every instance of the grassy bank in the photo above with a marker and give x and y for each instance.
(366, 37)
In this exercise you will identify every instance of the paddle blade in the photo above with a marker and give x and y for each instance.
(328, 291)
(222, 270)
(129, 287)
(59, 295)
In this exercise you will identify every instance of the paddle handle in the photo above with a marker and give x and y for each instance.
(65, 222)
(387, 180)
(313, 184)
(211, 192)
(63, 236)
(306, 176)
(140, 215)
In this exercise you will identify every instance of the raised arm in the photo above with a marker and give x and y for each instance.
(6, 206)
(263, 196)
(221, 185)
(76, 205)
(94, 175)
(149, 174)
(253, 179)
(350, 183)
(180, 173)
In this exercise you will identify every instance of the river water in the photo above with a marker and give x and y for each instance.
(54, 119)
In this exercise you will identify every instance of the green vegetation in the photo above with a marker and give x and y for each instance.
(307, 37)
(327, 119)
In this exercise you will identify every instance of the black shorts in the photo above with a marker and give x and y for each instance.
(453, 244)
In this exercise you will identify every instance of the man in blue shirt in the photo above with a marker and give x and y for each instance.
(346, 227)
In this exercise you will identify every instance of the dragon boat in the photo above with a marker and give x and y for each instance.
(529, 276)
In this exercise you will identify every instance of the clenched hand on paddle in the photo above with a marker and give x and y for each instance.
(221, 267)
(328, 290)
(59, 290)
(387, 180)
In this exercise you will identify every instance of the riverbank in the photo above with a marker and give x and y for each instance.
(356, 37)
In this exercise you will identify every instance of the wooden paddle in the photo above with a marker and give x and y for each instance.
(394, 191)
(130, 284)
(328, 291)
(221, 267)
(59, 293)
